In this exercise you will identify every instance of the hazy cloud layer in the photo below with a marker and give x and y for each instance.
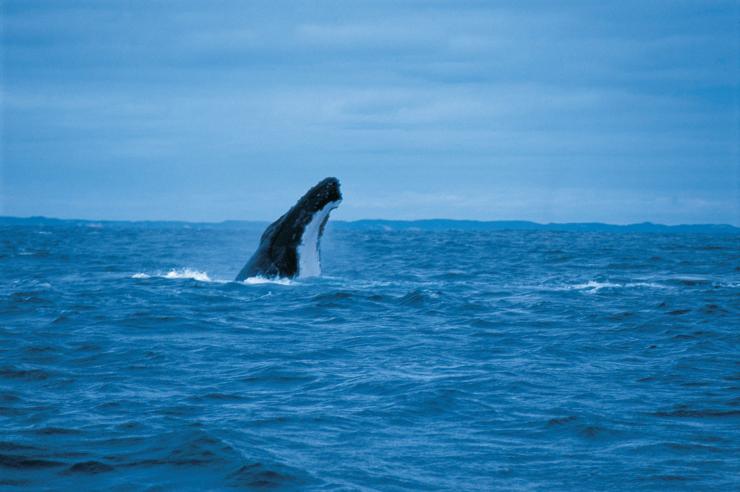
(562, 111)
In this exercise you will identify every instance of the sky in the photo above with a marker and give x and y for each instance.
(563, 111)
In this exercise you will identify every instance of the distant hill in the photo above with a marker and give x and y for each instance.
(394, 225)
(521, 225)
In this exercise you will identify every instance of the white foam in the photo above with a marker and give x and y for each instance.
(649, 285)
(309, 258)
(263, 280)
(595, 286)
(176, 274)
(188, 273)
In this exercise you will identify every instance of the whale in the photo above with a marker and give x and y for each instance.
(289, 247)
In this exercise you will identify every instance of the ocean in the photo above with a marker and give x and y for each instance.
(419, 360)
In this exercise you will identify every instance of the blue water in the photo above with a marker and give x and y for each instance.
(420, 360)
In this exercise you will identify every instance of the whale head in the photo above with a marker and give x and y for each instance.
(322, 194)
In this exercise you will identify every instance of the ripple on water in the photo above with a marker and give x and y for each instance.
(445, 360)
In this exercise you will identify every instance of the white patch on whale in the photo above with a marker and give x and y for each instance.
(309, 258)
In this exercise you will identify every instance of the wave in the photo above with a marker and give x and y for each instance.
(595, 286)
(201, 276)
(188, 273)
(183, 273)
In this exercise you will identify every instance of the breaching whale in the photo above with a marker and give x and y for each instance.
(289, 247)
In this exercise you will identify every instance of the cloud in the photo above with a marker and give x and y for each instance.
(629, 99)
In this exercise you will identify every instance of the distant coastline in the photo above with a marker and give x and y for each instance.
(391, 225)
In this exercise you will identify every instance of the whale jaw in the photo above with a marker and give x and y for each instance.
(309, 254)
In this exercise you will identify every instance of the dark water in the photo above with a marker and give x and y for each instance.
(421, 360)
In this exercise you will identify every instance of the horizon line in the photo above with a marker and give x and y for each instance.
(431, 219)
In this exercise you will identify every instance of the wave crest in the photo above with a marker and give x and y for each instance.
(188, 273)
(595, 286)
(263, 280)
(184, 273)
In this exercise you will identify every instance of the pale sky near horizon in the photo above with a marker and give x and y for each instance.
(535, 110)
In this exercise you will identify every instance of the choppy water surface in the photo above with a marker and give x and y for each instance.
(421, 360)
